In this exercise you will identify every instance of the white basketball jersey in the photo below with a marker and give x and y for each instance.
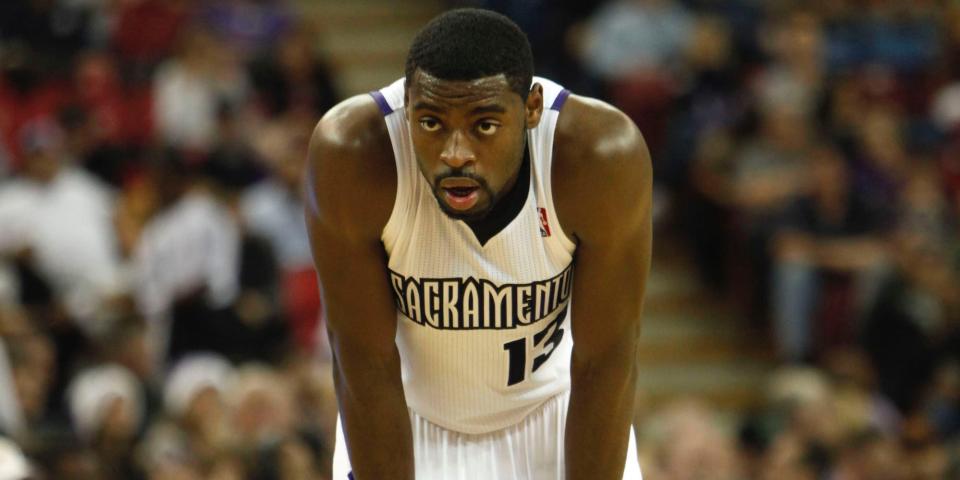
(483, 328)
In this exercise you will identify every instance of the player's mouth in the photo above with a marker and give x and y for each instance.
(460, 193)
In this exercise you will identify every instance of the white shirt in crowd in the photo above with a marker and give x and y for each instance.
(186, 104)
(67, 225)
(193, 245)
(276, 214)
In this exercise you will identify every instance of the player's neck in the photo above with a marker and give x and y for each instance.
(507, 208)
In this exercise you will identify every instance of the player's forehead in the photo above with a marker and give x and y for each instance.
(428, 92)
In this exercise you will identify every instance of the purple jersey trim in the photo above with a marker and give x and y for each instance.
(381, 102)
(561, 97)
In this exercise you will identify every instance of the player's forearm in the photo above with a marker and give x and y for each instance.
(374, 414)
(600, 414)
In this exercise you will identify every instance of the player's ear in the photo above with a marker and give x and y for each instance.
(534, 105)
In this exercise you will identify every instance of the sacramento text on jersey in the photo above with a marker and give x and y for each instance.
(469, 303)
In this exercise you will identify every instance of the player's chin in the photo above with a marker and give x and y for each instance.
(474, 213)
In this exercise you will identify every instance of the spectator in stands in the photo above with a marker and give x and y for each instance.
(186, 261)
(58, 222)
(316, 406)
(759, 194)
(634, 47)
(254, 327)
(195, 430)
(626, 37)
(913, 325)
(107, 412)
(686, 442)
(273, 210)
(830, 231)
(261, 406)
(272, 207)
(709, 99)
(794, 75)
(710, 106)
(193, 86)
(292, 79)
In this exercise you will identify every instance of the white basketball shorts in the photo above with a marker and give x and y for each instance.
(530, 450)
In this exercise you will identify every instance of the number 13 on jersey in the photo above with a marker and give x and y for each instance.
(544, 343)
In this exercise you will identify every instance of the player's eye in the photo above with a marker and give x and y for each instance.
(429, 124)
(487, 128)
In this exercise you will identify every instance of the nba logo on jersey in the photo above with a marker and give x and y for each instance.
(544, 226)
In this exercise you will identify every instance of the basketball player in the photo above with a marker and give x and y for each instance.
(447, 214)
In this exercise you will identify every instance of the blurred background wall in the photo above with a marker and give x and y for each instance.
(159, 315)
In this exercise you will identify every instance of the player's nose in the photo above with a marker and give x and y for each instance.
(457, 151)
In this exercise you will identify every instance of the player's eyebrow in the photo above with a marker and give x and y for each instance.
(495, 108)
(421, 105)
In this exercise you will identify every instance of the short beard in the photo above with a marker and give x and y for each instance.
(457, 214)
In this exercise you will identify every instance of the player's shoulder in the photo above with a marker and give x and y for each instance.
(594, 135)
(354, 128)
(351, 174)
(600, 161)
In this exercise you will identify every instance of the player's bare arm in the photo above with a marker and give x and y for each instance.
(602, 184)
(350, 187)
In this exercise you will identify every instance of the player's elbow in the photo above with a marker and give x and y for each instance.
(616, 357)
(613, 372)
(369, 349)
(362, 368)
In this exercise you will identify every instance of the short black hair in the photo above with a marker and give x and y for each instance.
(470, 43)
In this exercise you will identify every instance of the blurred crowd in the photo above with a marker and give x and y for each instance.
(159, 313)
(807, 156)
(807, 153)
(160, 318)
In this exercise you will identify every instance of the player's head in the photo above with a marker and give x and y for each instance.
(469, 103)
